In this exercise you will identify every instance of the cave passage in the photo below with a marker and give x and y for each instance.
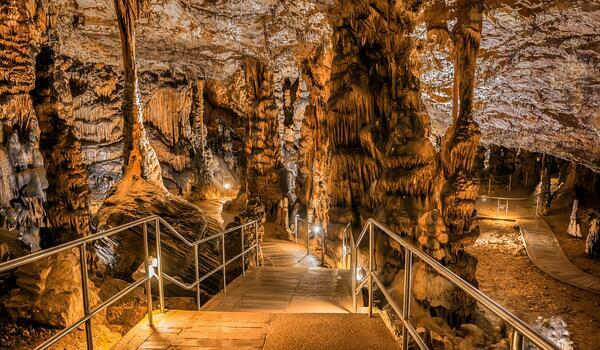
(375, 174)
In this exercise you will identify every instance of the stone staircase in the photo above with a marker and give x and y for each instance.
(290, 303)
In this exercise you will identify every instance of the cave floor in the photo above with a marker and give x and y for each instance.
(540, 241)
(507, 275)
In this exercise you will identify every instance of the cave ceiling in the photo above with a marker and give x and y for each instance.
(538, 75)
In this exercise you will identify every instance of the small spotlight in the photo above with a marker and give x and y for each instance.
(359, 274)
(227, 186)
(317, 229)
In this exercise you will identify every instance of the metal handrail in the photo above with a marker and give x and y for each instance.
(195, 246)
(296, 220)
(82, 242)
(503, 202)
(521, 329)
(345, 251)
(505, 198)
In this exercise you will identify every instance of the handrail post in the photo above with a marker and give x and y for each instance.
(307, 238)
(517, 342)
(161, 292)
(344, 265)
(489, 185)
(296, 227)
(353, 259)
(86, 295)
(323, 247)
(371, 269)
(224, 266)
(148, 277)
(408, 262)
(256, 233)
(243, 255)
(197, 272)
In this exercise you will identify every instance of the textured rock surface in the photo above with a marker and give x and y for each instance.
(537, 77)
(537, 81)
(49, 291)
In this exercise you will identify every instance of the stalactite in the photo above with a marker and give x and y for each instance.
(139, 156)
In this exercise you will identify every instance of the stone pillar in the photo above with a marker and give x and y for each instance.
(262, 141)
(139, 156)
(544, 195)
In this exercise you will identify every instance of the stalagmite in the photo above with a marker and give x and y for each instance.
(262, 142)
(592, 242)
(574, 229)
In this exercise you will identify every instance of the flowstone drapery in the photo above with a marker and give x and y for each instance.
(23, 180)
(383, 162)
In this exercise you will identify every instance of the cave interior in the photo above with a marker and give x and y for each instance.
(175, 146)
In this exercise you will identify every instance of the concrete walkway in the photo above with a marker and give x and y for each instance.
(251, 330)
(290, 303)
(290, 282)
(541, 243)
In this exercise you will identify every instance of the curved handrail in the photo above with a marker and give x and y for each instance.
(504, 198)
(23, 260)
(522, 329)
(89, 312)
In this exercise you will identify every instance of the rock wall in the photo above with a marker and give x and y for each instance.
(23, 180)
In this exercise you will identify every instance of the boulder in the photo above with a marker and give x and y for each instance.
(49, 291)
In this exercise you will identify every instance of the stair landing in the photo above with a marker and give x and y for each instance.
(178, 330)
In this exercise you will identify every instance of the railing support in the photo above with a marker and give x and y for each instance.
(296, 227)
(257, 244)
(224, 264)
(161, 292)
(517, 342)
(371, 237)
(148, 279)
(86, 295)
(407, 295)
(197, 273)
(307, 238)
(323, 247)
(243, 255)
(353, 271)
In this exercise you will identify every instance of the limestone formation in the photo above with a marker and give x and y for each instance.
(544, 195)
(262, 141)
(574, 229)
(255, 210)
(592, 242)
(49, 291)
(459, 147)
(337, 111)
(24, 182)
